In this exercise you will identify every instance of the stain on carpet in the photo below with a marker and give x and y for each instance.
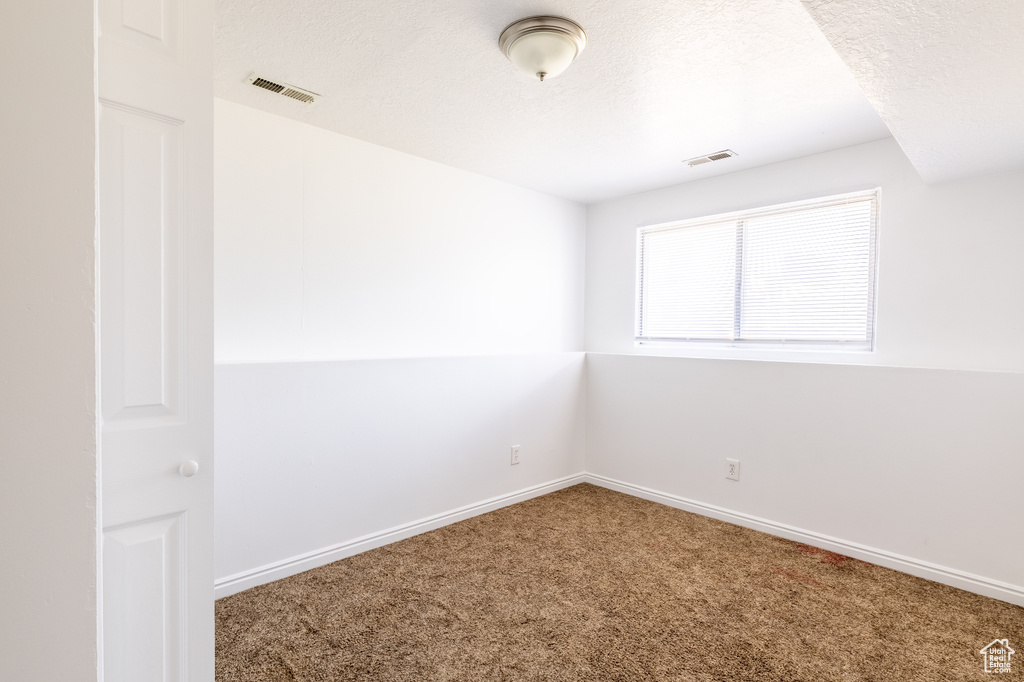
(796, 575)
(590, 584)
(826, 556)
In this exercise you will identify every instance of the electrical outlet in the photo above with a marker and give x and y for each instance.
(515, 454)
(732, 469)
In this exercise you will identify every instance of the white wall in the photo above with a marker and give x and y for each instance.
(915, 462)
(331, 248)
(47, 344)
(386, 329)
(318, 454)
(949, 284)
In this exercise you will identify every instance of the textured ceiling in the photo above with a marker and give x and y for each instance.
(946, 76)
(659, 82)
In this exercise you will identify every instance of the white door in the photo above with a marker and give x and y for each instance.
(156, 338)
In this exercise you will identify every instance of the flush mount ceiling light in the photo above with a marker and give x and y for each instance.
(542, 46)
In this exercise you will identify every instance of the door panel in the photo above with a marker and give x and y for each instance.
(155, 145)
(141, 234)
(145, 604)
(153, 26)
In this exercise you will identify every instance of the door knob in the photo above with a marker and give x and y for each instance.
(188, 468)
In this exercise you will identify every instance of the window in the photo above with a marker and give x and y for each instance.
(801, 274)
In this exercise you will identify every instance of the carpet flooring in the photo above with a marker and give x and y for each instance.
(589, 584)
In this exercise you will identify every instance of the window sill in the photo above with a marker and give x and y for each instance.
(684, 345)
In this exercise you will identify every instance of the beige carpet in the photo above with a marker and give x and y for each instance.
(589, 584)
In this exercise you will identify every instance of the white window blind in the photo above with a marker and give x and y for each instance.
(798, 273)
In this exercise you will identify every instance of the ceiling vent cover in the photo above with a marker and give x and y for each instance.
(716, 156)
(293, 91)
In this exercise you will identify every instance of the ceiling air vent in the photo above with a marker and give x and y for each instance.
(295, 92)
(717, 156)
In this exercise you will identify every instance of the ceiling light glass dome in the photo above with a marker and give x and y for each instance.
(542, 47)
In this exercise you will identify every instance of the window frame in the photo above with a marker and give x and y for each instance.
(860, 345)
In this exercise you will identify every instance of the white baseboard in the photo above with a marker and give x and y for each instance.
(1013, 594)
(231, 584)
